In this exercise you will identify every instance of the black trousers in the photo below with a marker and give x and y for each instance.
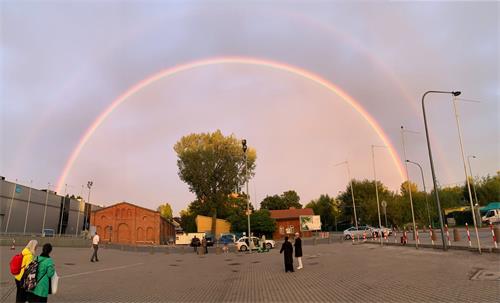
(21, 294)
(94, 255)
(34, 298)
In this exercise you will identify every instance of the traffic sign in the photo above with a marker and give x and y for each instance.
(384, 204)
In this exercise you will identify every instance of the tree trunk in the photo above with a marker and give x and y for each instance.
(214, 222)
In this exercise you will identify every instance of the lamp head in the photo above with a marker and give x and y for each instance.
(456, 93)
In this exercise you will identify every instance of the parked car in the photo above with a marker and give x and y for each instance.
(242, 245)
(229, 238)
(352, 232)
(492, 216)
(47, 232)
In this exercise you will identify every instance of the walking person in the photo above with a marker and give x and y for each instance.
(44, 273)
(27, 256)
(288, 255)
(95, 246)
(204, 245)
(298, 249)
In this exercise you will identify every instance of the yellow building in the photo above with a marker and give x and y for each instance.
(204, 224)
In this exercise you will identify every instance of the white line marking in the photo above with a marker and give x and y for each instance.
(99, 270)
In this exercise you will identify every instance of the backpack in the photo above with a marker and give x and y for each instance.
(16, 264)
(29, 280)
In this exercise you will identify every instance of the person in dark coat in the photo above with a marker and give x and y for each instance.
(288, 256)
(298, 249)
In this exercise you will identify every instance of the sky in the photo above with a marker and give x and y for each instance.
(64, 63)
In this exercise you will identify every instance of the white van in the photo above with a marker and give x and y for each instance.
(185, 239)
(492, 216)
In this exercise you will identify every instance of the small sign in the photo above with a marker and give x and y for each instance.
(18, 189)
(384, 204)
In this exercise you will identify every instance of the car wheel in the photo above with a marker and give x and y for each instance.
(243, 248)
(348, 237)
(269, 245)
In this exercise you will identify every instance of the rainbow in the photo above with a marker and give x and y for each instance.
(227, 60)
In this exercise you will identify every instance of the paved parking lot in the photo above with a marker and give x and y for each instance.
(339, 272)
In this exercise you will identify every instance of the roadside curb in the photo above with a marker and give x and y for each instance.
(463, 248)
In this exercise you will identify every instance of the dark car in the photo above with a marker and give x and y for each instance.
(210, 241)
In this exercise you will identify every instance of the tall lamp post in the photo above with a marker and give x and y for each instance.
(474, 187)
(89, 186)
(352, 192)
(245, 148)
(376, 191)
(465, 171)
(436, 194)
(425, 191)
(79, 210)
(408, 186)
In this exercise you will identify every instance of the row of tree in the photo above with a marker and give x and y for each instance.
(216, 167)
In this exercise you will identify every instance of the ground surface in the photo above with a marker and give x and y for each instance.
(339, 272)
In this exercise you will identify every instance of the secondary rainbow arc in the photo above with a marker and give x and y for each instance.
(227, 60)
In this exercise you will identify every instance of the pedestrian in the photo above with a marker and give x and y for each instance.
(204, 245)
(43, 275)
(195, 242)
(95, 246)
(263, 242)
(28, 252)
(288, 255)
(225, 240)
(298, 250)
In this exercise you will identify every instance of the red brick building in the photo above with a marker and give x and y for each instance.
(288, 222)
(131, 224)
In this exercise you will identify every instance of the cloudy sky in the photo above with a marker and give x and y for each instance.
(64, 62)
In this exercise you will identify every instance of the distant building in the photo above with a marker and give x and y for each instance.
(23, 209)
(127, 223)
(288, 221)
(204, 224)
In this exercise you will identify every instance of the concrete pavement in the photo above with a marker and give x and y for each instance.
(338, 272)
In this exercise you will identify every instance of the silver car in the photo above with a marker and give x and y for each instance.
(352, 232)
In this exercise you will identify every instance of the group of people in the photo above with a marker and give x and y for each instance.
(195, 243)
(287, 248)
(45, 271)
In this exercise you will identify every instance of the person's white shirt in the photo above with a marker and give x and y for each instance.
(95, 240)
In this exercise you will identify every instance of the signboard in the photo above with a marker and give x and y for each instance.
(18, 189)
(384, 204)
(310, 223)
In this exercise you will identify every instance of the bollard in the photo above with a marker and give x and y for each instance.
(493, 234)
(395, 237)
(352, 237)
(468, 234)
(431, 234)
(13, 247)
(418, 238)
(447, 234)
(364, 236)
(496, 231)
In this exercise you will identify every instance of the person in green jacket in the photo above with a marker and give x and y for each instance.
(45, 272)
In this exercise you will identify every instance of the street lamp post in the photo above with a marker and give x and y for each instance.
(62, 209)
(45, 209)
(352, 192)
(376, 191)
(27, 207)
(78, 216)
(474, 186)
(465, 171)
(436, 194)
(89, 186)
(425, 191)
(408, 186)
(245, 148)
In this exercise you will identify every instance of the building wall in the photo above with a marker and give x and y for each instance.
(288, 227)
(129, 224)
(16, 201)
(204, 224)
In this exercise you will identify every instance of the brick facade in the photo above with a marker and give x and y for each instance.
(288, 223)
(127, 223)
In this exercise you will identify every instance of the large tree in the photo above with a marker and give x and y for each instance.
(284, 201)
(327, 208)
(213, 166)
(165, 210)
